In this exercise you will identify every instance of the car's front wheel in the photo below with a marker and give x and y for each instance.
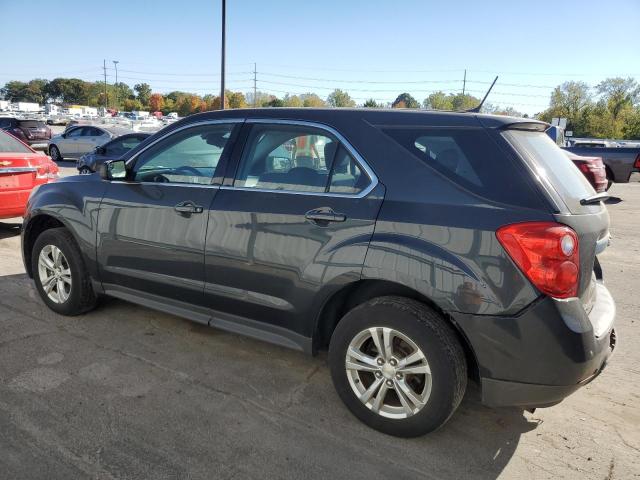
(60, 274)
(85, 171)
(398, 366)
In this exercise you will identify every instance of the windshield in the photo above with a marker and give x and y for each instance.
(552, 164)
(8, 144)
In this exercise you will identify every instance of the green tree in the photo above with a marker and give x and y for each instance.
(15, 91)
(371, 103)
(620, 94)
(132, 104)
(631, 130)
(275, 102)
(405, 100)
(460, 102)
(143, 91)
(438, 101)
(339, 98)
(311, 100)
(293, 101)
(236, 99)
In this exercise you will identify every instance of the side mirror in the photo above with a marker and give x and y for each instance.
(113, 170)
(64, 135)
(101, 150)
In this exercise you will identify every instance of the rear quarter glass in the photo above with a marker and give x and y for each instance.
(553, 166)
(472, 160)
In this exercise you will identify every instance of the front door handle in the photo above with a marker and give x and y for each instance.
(188, 208)
(322, 216)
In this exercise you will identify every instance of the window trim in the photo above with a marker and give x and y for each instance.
(373, 179)
(134, 158)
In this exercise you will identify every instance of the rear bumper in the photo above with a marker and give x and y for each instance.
(546, 353)
(13, 203)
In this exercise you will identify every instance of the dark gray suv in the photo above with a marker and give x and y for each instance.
(420, 248)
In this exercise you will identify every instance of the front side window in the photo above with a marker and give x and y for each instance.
(76, 132)
(297, 159)
(187, 156)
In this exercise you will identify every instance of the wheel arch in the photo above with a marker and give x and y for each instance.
(33, 229)
(356, 293)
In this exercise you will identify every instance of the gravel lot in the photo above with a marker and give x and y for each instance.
(126, 392)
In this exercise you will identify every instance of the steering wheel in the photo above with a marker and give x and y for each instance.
(159, 178)
(191, 170)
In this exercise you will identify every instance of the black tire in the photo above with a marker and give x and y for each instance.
(432, 334)
(55, 154)
(85, 171)
(609, 178)
(81, 296)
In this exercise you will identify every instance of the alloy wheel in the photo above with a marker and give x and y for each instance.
(54, 273)
(388, 372)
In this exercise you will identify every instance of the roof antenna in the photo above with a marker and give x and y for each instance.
(477, 109)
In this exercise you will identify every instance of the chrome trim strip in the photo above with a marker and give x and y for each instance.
(183, 127)
(361, 161)
(18, 170)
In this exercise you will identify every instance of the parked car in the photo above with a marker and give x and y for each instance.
(31, 132)
(620, 162)
(593, 169)
(81, 139)
(21, 169)
(90, 162)
(420, 248)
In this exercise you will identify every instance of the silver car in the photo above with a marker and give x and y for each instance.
(77, 141)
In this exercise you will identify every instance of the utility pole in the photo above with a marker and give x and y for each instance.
(224, 14)
(104, 67)
(255, 88)
(464, 82)
(115, 64)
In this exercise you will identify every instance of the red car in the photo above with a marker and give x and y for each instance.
(21, 169)
(592, 168)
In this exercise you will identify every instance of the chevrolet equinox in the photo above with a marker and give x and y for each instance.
(420, 248)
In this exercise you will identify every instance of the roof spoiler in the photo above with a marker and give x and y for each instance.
(527, 126)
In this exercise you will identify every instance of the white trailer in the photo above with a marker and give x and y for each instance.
(27, 107)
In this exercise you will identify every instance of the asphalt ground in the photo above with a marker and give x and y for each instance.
(127, 392)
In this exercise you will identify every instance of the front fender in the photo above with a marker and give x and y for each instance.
(73, 202)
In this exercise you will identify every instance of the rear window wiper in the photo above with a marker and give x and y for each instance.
(597, 198)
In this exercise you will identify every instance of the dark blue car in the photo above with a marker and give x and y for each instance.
(90, 162)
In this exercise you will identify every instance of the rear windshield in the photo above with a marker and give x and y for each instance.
(552, 164)
(8, 144)
(471, 159)
(31, 123)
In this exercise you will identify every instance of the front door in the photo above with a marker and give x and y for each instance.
(151, 229)
(293, 223)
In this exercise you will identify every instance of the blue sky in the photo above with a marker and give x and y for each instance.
(373, 49)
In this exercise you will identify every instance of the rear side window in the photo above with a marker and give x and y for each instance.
(551, 162)
(471, 159)
(8, 144)
(31, 124)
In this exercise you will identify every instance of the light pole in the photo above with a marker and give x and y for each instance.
(224, 14)
(115, 64)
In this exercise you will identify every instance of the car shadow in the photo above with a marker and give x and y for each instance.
(8, 230)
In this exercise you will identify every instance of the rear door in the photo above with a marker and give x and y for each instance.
(151, 229)
(292, 222)
(91, 138)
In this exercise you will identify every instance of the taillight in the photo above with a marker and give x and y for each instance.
(636, 164)
(547, 253)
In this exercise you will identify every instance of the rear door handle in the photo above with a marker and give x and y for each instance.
(188, 208)
(322, 216)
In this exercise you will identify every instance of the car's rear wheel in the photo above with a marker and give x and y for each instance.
(398, 366)
(85, 171)
(54, 153)
(60, 274)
